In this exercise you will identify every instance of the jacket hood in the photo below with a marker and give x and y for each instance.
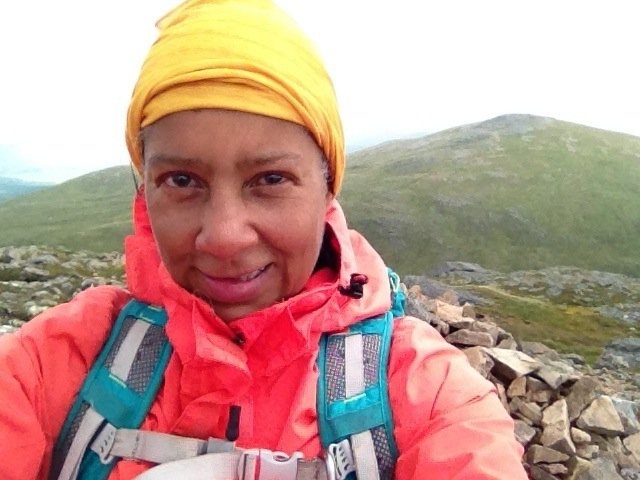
(266, 340)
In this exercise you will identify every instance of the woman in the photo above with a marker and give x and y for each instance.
(233, 126)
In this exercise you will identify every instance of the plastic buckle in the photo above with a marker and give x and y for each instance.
(339, 460)
(262, 464)
(103, 443)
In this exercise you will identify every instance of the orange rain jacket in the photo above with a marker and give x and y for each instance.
(449, 423)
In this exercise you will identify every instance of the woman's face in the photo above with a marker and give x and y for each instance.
(237, 204)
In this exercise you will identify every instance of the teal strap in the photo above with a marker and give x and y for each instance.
(370, 410)
(342, 418)
(120, 404)
(108, 395)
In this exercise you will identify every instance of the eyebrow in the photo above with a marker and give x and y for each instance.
(270, 157)
(167, 159)
(259, 160)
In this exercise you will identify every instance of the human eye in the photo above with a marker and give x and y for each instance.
(269, 179)
(180, 180)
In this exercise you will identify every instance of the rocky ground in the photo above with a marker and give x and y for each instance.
(575, 421)
(33, 279)
(610, 295)
(615, 295)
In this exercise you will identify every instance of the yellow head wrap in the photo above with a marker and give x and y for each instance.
(244, 55)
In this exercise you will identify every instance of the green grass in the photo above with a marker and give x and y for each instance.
(9, 274)
(91, 212)
(561, 194)
(565, 328)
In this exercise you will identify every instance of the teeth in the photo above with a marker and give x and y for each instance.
(251, 276)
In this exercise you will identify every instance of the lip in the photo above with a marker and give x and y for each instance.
(236, 290)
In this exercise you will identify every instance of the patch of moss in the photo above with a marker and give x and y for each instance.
(567, 329)
(9, 274)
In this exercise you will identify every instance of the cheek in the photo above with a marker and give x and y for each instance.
(172, 230)
(300, 241)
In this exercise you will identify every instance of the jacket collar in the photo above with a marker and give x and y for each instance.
(267, 340)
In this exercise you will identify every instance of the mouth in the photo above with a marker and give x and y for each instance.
(235, 289)
(248, 276)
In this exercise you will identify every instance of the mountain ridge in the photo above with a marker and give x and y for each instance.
(506, 193)
(514, 192)
(11, 187)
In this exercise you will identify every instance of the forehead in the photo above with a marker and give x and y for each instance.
(223, 133)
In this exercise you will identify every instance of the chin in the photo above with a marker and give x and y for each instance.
(230, 313)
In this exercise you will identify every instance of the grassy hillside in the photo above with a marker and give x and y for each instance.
(13, 187)
(91, 212)
(515, 192)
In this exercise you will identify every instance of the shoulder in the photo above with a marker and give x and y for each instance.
(423, 363)
(68, 335)
(46, 361)
(448, 419)
(411, 334)
(83, 321)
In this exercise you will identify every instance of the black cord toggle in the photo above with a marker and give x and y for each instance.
(233, 425)
(354, 290)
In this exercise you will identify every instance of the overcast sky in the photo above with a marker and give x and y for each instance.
(67, 69)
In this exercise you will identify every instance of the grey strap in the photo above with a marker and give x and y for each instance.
(362, 446)
(87, 429)
(219, 466)
(153, 447)
(353, 365)
(126, 355)
(364, 454)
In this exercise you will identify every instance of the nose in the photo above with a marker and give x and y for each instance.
(227, 227)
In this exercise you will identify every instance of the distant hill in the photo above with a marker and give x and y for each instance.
(91, 212)
(515, 192)
(13, 187)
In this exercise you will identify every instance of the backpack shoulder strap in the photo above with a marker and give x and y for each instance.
(118, 391)
(353, 399)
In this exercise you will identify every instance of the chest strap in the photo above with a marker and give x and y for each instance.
(154, 447)
(176, 453)
(254, 464)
